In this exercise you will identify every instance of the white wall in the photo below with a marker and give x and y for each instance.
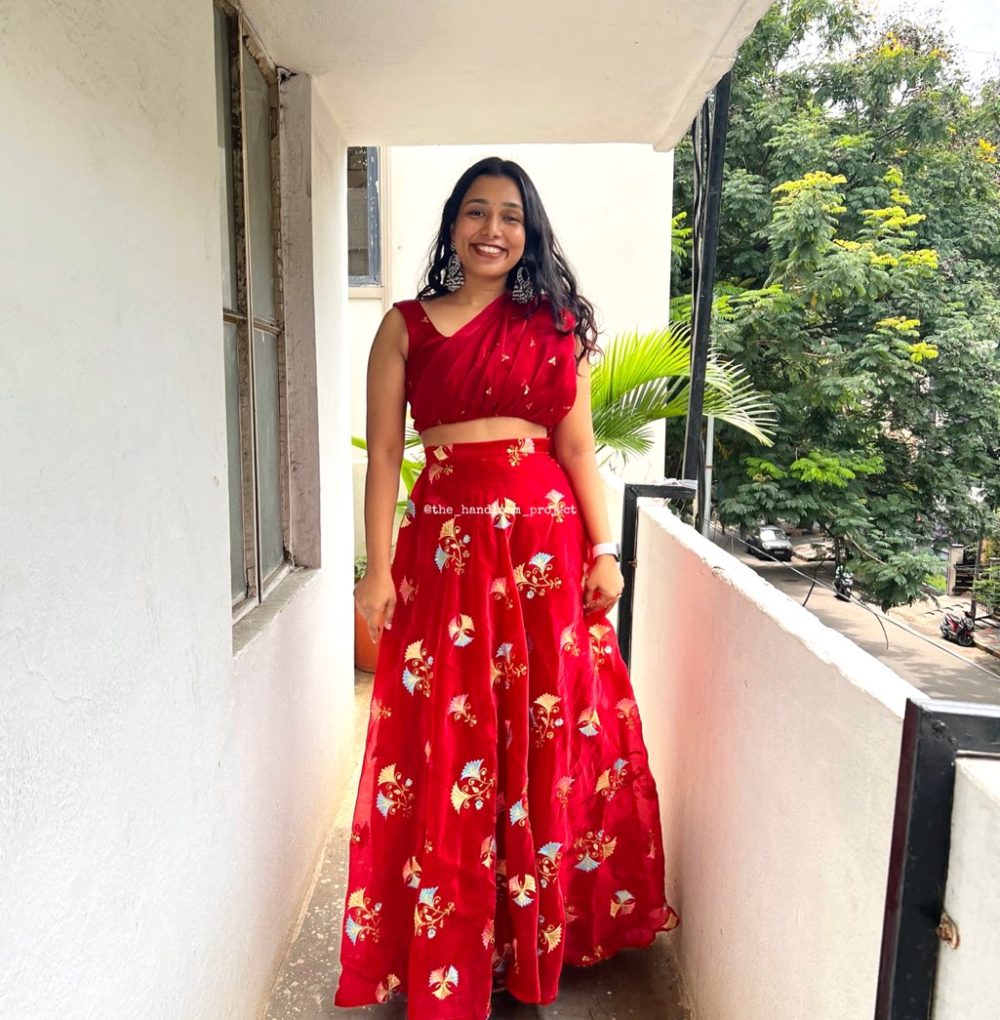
(162, 802)
(775, 746)
(968, 979)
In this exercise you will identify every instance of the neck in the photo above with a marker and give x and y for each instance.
(478, 293)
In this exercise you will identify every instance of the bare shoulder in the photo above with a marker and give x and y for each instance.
(392, 333)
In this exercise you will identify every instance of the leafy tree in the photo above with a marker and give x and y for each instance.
(987, 589)
(859, 286)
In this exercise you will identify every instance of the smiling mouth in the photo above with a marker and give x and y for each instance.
(489, 250)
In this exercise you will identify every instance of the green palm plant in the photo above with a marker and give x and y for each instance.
(645, 377)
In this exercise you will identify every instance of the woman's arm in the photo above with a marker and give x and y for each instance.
(575, 449)
(386, 419)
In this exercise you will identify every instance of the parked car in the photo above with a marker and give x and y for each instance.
(769, 542)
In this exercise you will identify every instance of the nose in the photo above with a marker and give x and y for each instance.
(492, 224)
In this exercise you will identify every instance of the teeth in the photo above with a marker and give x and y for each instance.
(489, 249)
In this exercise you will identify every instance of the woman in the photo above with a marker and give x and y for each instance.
(506, 820)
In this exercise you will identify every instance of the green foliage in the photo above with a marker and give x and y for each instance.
(890, 581)
(937, 582)
(858, 286)
(643, 378)
(680, 237)
(987, 589)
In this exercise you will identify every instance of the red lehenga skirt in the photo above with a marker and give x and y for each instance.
(507, 822)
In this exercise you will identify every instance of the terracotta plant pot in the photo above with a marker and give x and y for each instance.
(365, 650)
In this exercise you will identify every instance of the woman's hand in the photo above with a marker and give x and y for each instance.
(604, 585)
(375, 598)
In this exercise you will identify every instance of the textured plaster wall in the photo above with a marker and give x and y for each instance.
(775, 745)
(162, 803)
(968, 981)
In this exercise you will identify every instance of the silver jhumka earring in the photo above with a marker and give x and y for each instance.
(453, 275)
(523, 291)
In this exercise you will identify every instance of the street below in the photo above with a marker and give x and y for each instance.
(906, 639)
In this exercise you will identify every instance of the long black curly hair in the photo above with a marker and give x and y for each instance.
(550, 273)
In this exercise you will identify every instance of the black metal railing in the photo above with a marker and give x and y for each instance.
(935, 733)
(708, 135)
(675, 489)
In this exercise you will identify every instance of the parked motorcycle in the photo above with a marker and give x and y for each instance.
(843, 583)
(958, 628)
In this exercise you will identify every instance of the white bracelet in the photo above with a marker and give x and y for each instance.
(607, 547)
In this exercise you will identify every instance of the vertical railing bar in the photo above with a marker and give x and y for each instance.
(628, 543)
(705, 249)
(675, 490)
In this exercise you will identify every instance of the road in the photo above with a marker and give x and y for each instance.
(938, 669)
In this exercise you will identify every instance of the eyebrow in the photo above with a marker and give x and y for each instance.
(483, 201)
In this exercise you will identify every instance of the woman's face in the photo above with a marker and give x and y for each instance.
(489, 229)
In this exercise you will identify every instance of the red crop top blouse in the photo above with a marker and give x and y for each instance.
(506, 361)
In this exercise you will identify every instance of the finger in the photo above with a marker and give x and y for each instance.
(375, 624)
(389, 613)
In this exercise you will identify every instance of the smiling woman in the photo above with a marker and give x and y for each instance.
(490, 226)
(506, 822)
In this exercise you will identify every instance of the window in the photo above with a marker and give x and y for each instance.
(252, 314)
(364, 251)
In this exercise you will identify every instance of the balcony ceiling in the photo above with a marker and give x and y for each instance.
(416, 72)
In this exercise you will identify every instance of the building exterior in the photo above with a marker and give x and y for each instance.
(180, 348)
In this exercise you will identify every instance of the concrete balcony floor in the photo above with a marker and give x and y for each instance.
(639, 983)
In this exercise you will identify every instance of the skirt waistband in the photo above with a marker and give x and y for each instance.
(489, 449)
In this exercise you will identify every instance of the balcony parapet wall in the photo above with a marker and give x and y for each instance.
(775, 745)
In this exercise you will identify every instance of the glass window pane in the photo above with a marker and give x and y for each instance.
(265, 370)
(234, 451)
(362, 215)
(223, 107)
(258, 139)
(357, 221)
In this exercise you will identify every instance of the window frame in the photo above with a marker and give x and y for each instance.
(244, 45)
(372, 279)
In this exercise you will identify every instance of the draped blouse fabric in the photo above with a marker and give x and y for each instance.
(506, 361)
